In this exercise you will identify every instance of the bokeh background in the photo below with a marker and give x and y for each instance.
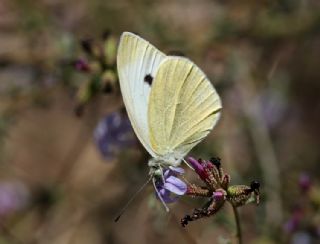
(69, 160)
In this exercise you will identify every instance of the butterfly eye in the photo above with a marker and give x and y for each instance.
(148, 78)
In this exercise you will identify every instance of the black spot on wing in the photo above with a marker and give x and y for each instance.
(148, 79)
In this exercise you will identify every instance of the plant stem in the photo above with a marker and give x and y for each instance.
(236, 216)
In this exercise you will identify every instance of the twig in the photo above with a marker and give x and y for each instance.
(237, 219)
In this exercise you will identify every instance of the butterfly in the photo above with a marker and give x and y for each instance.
(170, 102)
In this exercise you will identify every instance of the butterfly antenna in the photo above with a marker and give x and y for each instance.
(131, 199)
(159, 195)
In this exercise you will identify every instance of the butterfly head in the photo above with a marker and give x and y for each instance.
(165, 161)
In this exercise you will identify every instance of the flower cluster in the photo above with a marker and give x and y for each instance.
(216, 188)
(99, 64)
(304, 217)
(13, 197)
(114, 133)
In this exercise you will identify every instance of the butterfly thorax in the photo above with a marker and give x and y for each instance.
(159, 163)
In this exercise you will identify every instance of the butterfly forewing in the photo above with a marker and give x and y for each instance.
(137, 63)
(183, 107)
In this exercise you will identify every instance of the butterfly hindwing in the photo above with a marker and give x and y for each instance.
(137, 63)
(183, 107)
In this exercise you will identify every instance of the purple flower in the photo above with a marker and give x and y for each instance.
(196, 165)
(13, 197)
(201, 167)
(293, 223)
(305, 182)
(81, 65)
(218, 196)
(273, 106)
(170, 184)
(113, 133)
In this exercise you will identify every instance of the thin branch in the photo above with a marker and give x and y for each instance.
(237, 219)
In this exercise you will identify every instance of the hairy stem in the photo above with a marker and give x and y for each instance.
(237, 219)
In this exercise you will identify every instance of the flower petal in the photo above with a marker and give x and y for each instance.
(175, 185)
(167, 196)
(167, 173)
(195, 164)
(177, 170)
(218, 196)
(198, 167)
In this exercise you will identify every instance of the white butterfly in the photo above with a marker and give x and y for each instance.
(171, 103)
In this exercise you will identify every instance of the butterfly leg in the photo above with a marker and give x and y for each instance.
(159, 195)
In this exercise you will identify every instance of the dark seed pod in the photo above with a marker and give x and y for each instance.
(86, 45)
(255, 185)
(216, 161)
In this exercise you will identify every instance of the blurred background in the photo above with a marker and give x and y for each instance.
(69, 160)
